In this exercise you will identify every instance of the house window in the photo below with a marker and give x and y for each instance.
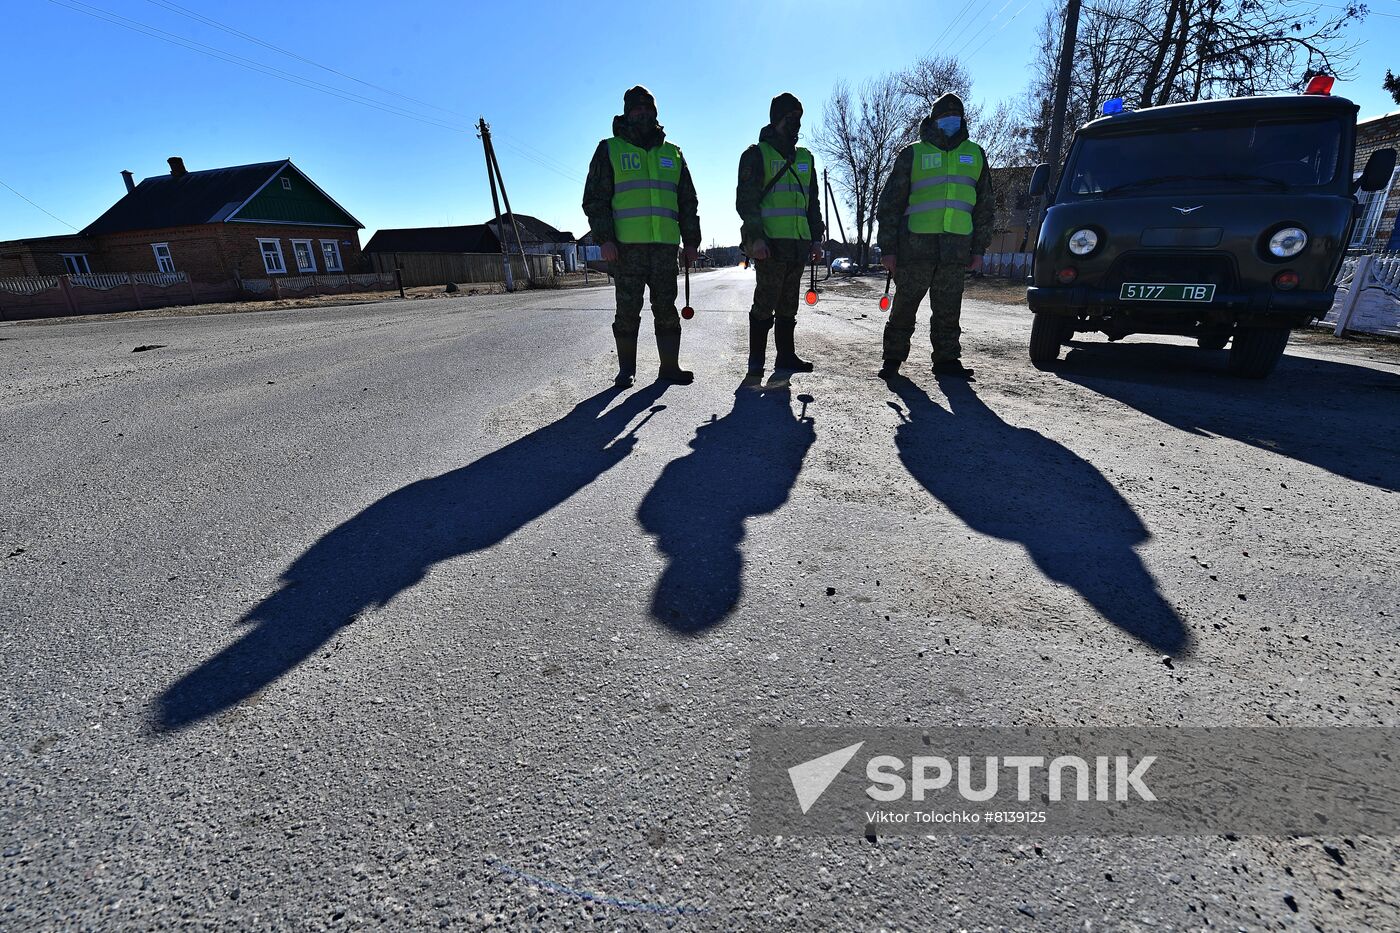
(1372, 205)
(330, 251)
(164, 262)
(286, 183)
(272, 256)
(76, 263)
(306, 257)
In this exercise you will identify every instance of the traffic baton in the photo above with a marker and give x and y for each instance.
(812, 289)
(687, 312)
(885, 298)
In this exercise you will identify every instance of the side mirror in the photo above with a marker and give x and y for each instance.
(1379, 168)
(1040, 178)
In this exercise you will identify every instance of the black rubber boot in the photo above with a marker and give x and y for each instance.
(758, 344)
(951, 368)
(668, 347)
(890, 369)
(626, 358)
(788, 359)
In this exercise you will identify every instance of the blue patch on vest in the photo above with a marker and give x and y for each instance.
(667, 163)
(965, 159)
(802, 166)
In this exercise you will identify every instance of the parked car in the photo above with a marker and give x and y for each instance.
(842, 264)
(1223, 220)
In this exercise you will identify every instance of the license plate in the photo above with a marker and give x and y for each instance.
(1135, 291)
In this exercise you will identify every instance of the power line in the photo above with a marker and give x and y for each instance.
(975, 35)
(1003, 26)
(540, 158)
(210, 21)
(947, 33)
(77, 6)
(38, 208)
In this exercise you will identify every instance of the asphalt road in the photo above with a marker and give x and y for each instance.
(395, 613)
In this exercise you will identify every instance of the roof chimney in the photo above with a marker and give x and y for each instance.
(130, 181)
(177, 166)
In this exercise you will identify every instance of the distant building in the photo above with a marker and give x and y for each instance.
(1014, 228)
(1376, 228)
(536, 236)
(264, 219)
(471, 238)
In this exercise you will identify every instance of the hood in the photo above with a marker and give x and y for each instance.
(931, 134)
(777, 140)
(650, 141)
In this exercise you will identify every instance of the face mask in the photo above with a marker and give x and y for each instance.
(949, 125)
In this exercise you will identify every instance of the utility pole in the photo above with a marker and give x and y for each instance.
(1057, 113)
(831, 200)
(484, 133)
(510, 216)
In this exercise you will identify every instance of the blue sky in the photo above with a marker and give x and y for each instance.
(87, 98)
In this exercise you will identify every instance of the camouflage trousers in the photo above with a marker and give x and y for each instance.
(642, 266)
(943, 283)
(776, 289)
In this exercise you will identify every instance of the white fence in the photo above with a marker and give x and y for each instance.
(1368, 296)
(1006, 265)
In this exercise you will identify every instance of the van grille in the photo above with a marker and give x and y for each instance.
(1191, 268)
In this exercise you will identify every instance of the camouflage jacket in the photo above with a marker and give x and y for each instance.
(598, 192)
(749, 193)
(894, 237)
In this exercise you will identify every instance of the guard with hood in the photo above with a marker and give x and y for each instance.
(936, 213)
(781, 227)
(641, 207)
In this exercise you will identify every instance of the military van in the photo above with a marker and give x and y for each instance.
(1222, 220)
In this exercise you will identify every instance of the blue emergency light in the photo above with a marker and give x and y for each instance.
(1110, 107)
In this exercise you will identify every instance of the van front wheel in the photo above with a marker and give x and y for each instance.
(1048, 331)
(1256, 350)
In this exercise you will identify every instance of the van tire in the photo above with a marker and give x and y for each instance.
(1256, 351)
(1048, 331)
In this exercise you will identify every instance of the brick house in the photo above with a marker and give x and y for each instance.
(1376, 228)
(244, 221)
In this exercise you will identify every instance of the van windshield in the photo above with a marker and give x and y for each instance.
(1261, 155)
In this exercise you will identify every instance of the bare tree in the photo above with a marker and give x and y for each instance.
(860, 134)
(933, 76)
(1152, 53)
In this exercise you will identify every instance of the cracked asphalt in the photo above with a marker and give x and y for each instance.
(395, 615)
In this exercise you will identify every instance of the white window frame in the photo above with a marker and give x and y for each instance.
(165, 262)
(76, 263)
(277, 250)
(332, 253)
(1373, 207)
(310, 255)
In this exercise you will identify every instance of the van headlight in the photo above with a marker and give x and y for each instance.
(1288, 242)
(1085, 241)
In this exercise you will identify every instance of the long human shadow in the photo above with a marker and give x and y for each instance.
(1339, 417)
(1018, 485)
(741, 465)
(391, 544)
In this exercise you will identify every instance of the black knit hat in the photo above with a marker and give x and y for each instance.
(635, 96)
(783, 105)
(947, 105)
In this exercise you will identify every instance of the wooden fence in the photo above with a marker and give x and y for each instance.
(460, 268)
(40, 296)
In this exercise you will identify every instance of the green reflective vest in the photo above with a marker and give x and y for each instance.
(943, 188)
(784, 207)
(645, 205)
